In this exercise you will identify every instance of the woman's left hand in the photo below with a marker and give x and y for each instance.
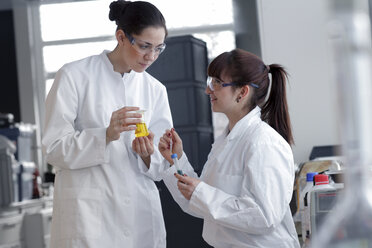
(144, 146)
(186, 185)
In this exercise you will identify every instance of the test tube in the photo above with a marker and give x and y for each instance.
(175, 161)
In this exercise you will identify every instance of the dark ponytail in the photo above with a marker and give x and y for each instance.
(246, 68)
(134, 17)
(275, 109)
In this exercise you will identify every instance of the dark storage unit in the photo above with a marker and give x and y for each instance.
(192, 119)
(184, 60)
(9, 97)
(182, 69)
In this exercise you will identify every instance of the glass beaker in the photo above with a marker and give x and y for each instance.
(350, 223)
(141, 127)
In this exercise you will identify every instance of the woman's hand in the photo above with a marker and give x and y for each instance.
(186, 185)
(165, 145)
(144, 147)
(122, 120)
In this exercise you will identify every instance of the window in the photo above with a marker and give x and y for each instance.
(85, 19)
(67, 39)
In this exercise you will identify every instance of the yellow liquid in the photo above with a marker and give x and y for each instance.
(141, 130)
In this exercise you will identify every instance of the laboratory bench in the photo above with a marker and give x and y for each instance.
(26, 224)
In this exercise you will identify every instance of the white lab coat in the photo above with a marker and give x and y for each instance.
(104, 195)
(246, 187)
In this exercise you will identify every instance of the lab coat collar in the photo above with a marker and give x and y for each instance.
(243, 123)
(110, 66)
(106, 61)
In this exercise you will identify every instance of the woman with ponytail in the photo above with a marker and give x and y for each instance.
(246, 185)
(105, 195)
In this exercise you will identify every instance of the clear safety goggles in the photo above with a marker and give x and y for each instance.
(216, 84)
(143, 47)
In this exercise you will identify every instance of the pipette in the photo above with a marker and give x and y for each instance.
(171, 142)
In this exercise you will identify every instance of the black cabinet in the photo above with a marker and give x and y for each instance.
(182, 68)
(9, 97)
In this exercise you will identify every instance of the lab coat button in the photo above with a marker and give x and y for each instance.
(126, 201)
(126, 233)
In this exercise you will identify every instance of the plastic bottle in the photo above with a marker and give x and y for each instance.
(321, 182)
(309, 184)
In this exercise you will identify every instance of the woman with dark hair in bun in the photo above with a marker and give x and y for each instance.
(246, 185)
(105, 195)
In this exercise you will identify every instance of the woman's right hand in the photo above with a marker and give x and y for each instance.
(164, 145)
(122, 120)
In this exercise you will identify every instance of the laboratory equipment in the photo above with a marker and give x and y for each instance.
(171, 145)
(37, 228)
(8, 178)
(26, 224)
(320, 152)
(25, 180)
(336, 178)
(321, 204)
(350, 223)
(318, 166)
(307, 188)
(174, 157)
(6, 120)
(16, 178)
(11, 230)
(175, 161)
(36, 184)
(321, 183)
(141, 127)
(23, 136)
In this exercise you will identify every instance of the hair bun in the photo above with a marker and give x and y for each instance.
(117, 8)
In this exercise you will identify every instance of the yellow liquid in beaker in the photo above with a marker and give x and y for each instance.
(141, 130)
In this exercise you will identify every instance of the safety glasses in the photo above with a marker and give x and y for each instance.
(215, 84)
(144, 47)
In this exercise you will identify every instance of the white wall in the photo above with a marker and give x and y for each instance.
(293, 33)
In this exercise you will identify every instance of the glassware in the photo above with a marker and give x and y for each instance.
(350, 222)
(175, 161)
(141, 127)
